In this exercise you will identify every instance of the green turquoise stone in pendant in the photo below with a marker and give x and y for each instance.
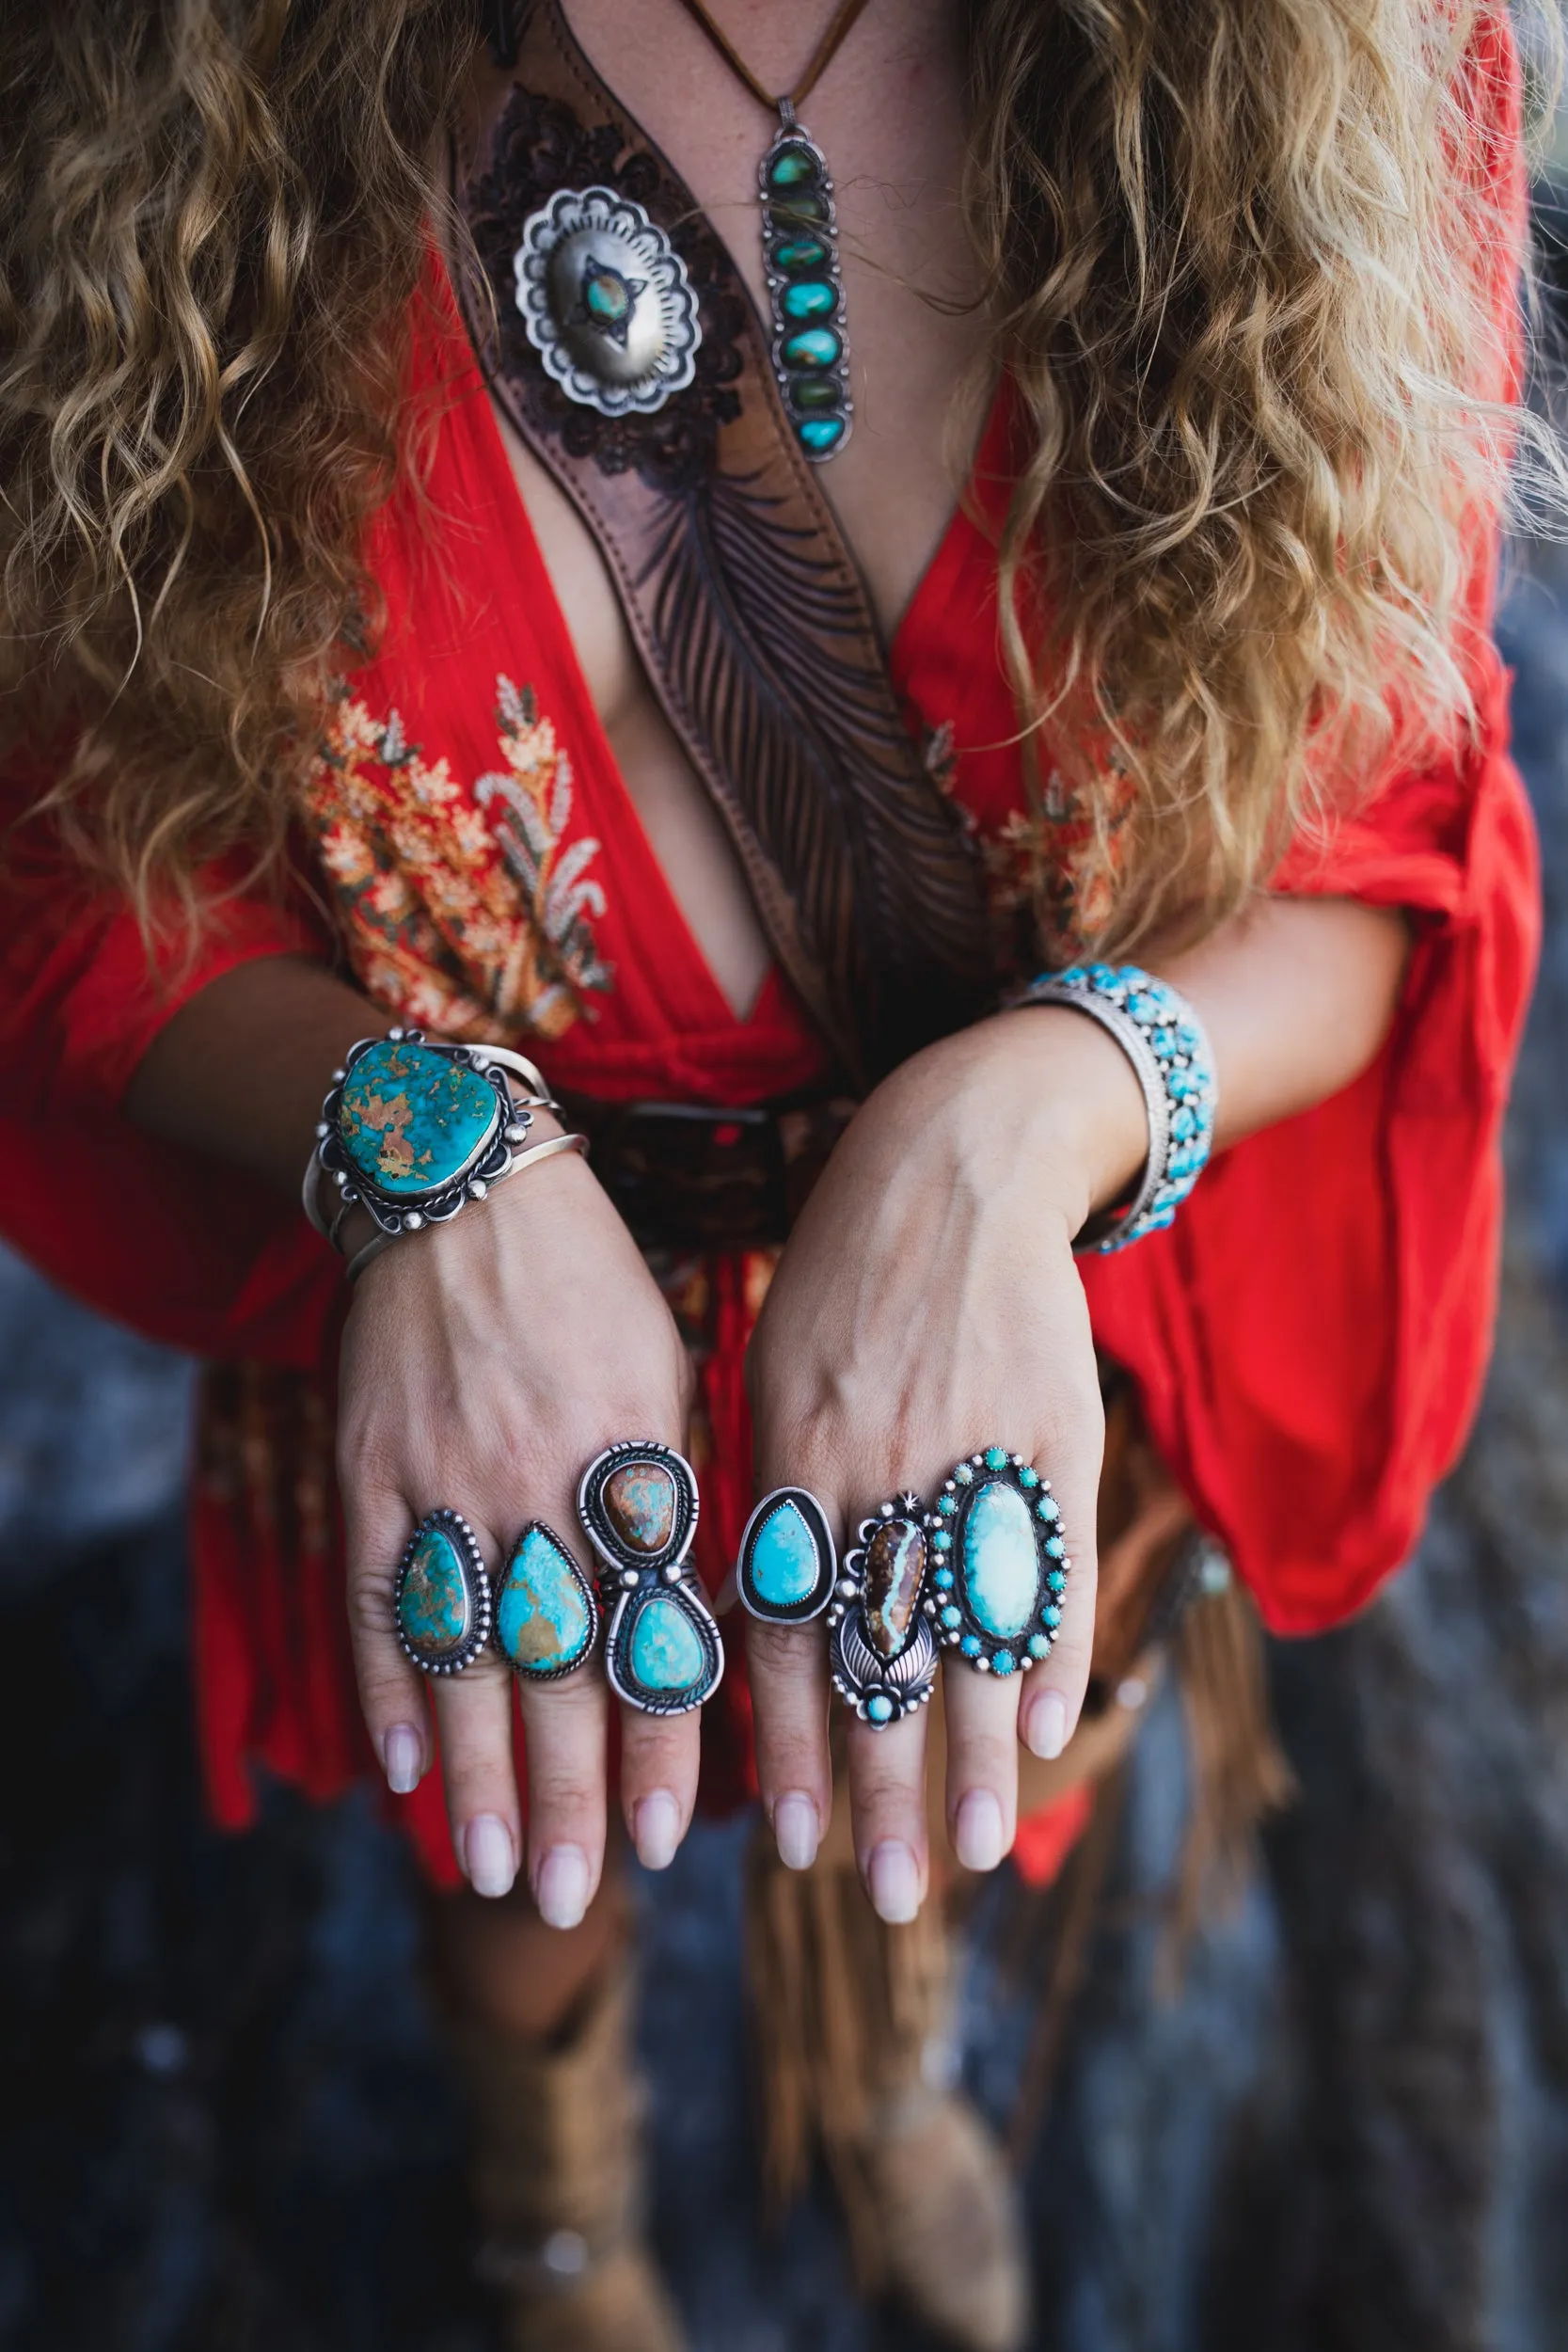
(812, 298)
(815, 391)
(544, 1617)
(813, 347)
(792, 167)
(1000, 1565)
(820, 433)
(783, 1565)
(410, 1120)
(436, 1599)
(801, 208)
(666, 1654)
(797, 255)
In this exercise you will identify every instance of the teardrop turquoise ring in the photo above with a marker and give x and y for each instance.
(999, 1563)
(789, 1562)
(441, 1604)
(547, 1616)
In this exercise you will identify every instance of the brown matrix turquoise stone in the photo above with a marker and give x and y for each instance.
(895, 1561)
(640, 1503)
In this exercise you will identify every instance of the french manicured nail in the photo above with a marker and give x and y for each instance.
(977, 1838)
(487, 1852)
(1045, 1732)
(403, 1753)
(795, 1827)
(656, 1830)
(561, 1893)
(894, 1882)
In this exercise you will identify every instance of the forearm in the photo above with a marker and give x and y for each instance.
(241, 1070)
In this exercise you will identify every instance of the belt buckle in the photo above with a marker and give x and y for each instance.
(714, 1178)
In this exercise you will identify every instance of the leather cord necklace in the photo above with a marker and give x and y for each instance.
(799, 243)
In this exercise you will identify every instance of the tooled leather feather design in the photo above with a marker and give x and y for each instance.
(748, 607)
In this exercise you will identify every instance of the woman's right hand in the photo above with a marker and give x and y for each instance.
(484, 1364)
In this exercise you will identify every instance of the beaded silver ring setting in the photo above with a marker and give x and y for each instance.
(999, 1563)
(441, 1603)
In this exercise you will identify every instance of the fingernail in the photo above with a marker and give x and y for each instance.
(561, 1893)
(977, 1838)
(655, 1830)
(894, 1882)
(1045, 1732)
(795, 1827)
(403, 1755)
(487, 1852)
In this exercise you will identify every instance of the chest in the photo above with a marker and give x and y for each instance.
(888, 113)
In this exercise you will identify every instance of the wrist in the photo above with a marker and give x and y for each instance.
(1057, 1097)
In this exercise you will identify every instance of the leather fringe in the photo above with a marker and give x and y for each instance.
(845, 2012)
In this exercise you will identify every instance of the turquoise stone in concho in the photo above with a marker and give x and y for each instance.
(999, 1565)
(543, 1618)
(436, 1602)
(411, 1121)
(666, 1655)
(784, 1564)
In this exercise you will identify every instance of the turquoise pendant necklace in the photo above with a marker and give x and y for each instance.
(800, 245)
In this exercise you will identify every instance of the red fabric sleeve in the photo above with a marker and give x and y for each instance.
(186, 1249)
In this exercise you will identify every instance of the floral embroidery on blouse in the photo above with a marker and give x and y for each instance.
(1050, 884)
(465, 909)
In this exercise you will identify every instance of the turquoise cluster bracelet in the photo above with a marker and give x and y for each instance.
(1163, 1040)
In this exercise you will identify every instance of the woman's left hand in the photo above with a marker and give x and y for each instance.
(927, 1305)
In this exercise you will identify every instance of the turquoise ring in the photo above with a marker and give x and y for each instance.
(441, 1606)
(547, 1615)
(881, 1652)
(999, 1563)
(637, 1504)
(789, 1562)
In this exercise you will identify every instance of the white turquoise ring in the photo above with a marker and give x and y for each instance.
(881, 1653)
(441, 1602)
(637, 1504)
(789, 1562)
(999, 1563)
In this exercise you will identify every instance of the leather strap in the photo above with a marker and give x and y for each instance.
(748, 608)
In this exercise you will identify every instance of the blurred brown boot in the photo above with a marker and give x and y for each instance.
(558, 2179)
(852, 2021)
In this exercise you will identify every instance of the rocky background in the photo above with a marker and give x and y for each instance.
(221, 2123)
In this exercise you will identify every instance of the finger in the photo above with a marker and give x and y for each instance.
(473, 1713)
(659, 1781)
(1053, 1697)
(564, 1724)
(982, 1765)
(787, 1668)
(391, 1690)
(887, 1806)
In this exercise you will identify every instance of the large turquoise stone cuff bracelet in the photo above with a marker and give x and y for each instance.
(413, 1132)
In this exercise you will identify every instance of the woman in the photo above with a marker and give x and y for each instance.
(425, 608)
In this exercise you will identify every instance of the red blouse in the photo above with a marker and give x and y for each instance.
(1308, 1340)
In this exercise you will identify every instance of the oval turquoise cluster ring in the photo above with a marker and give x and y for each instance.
(999, 1563)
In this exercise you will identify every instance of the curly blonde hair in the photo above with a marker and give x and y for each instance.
(1242, 260)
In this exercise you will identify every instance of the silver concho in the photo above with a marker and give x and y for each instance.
(605, 301)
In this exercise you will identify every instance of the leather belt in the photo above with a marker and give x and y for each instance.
(689, 1176)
